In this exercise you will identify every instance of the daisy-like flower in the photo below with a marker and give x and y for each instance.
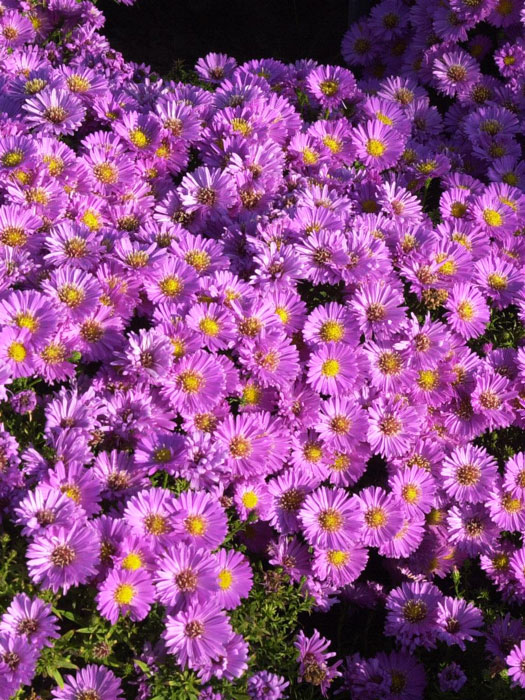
(415, 489)
(340, 566)
(459, 621)
(61, 557)
(55, 112)
(332, 369)
(271, 359)
(44, 507)
(148, 514)
(470, 528)
(199, 520)
(75, 292)
(198, 634)
(206, 190)
(125, 592)
(500, 279)
(381, 516)
(330, 85)
(18, 227)
(516, 663)
(391, 424)
(235, 578)
(412, 614)
(342, 423)
(514, 475)
(196, 383)
(30, 618)
(377, 145)
(331, 323)
(492, 398)
(289, 491)
(16, 352)
(90, 682)
(18, 663)
(330, 519)
(171, 281)
(455, 71)
(468, 313)
(377, 309)
(507, 510)
(148, 355)
(213, 324)
(246, 446)
(469, 474)
(185, 574)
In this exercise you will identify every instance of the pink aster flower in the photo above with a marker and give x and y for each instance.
(412, 614)
(98, 681)
(377, 145)
(185, 574)
(332, 369)
(391, 424)
(124, 592)
(235, 578)
(468, 313)
(469, 474)
(197, 635)
(377, 308)
(330, 518)
(199, 520)
(54, 111)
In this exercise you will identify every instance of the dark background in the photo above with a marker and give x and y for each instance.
(162, 33)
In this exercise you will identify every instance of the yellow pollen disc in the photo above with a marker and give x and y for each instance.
(448, 268)
(171, 286)
(331, 332)
(91, 220)
(12, 159)
(410, 493)
(124, 594)
(333, 144)
(329, 87)
(190, 382)
(76, 83)
(71, 296)
(497, 282)
(195, 525)
(428, 379)
(340, 463)
(209, 326)
(17, 352)
(375, 148)
(249, 499)
(375, 517)
(310, 157)
(492, 217)
(198, 259)
(106, 173)
(240, 446)
(251, 395)
(330, 368)
(466, 311)
(26, 320)
(330, 520)
(225, 579)
(384, 119)
(241, 126)
(312, 452)
(337, 557)
(132, 562)
(72, 491)
(282, 313)
(510, 178)
(138, 138)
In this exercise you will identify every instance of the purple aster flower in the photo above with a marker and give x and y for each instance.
(125, 591)
(16, 352)
(470, 528)
(92, 682)
(391, 424)
(459, 621)
(516, 663)
(331, 85)
(247, 447)
(377, 145)
(44, 507)
(331, 323)
(206, 190)
(264, 685)
(30, 618)
(198, 634)
(455, 71)
(451, 678)
(23, 402)
(289, 491)
(17, 662)
(184, 575)
(342, 423)
(272, 359)
(491, 398)
(330, 518)
(199, 520)
(62, 557)
(381, 516)
(340, 566)
(412, 614)
(54, 111)
(313, 661)
(377, 308)
(415, 489)
(148, 514)
(196, 383)
(332, 370)
(468, 474)
(234, 578)
(468, 312)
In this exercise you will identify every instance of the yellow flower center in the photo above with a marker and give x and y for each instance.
(17, 352)
(282, 313)
(251, 395)
(198, 259)
(124, 594)
(26, 320)
(329, 87)
(189, 381)
(13, 158)
(250, 499)
(492, 217)
(410, 493)
(240, 447)
(497, 282)
(330, 368)
(337, 557)
(466, 311)
(132, 562)
(334, 145)
(162, 454)
(312, 452)
(330, 520)
(76, 83)
(225, 579)
(171, 286)
(375, 148)
(71, 295)
(196, 525)
(91, 220)
(310, 157)
(139, 138)
(106, 173)
(384, 119)
(375, 517)
(428, 379)
(241, 126)
(209, 326)
(331, 332)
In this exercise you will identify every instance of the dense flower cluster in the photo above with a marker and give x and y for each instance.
(270, 288)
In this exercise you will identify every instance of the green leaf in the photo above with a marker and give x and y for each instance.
(55, 673)
(143, 666)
